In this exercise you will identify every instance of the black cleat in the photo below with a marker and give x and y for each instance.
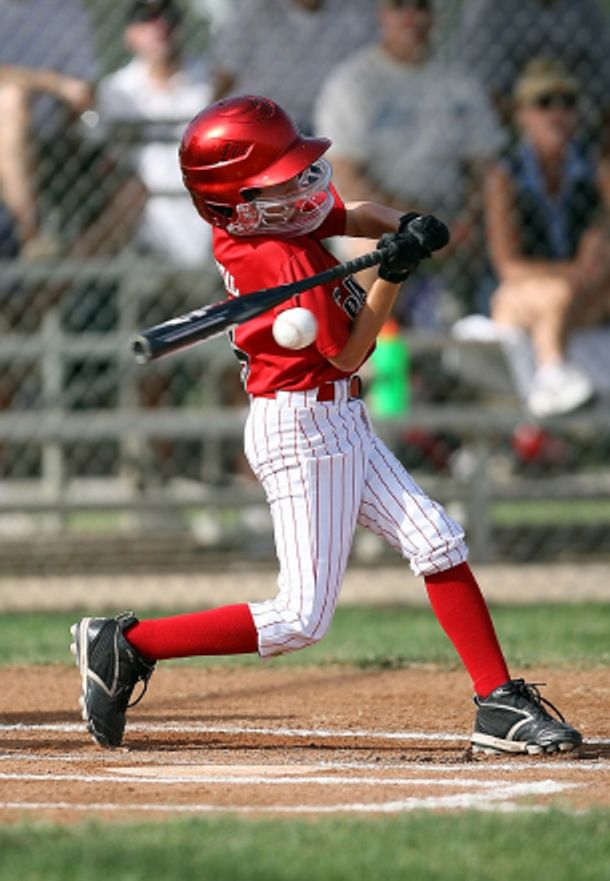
(513, 719)
(110, 668)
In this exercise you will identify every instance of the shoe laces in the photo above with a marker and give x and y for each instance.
(142, 676)
(144, 680)
(530, 691)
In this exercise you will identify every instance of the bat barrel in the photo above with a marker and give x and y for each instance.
(184, 331)
(159, 341)
(210, 321)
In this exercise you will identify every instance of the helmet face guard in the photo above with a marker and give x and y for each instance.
(293, 214)
(237, 149)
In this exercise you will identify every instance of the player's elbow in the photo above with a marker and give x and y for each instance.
(346, 361)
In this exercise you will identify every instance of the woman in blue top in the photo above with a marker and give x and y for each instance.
(547, 234)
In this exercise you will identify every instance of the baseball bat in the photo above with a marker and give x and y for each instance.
(184, 331)
(426, 233)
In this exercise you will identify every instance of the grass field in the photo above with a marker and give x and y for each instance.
(470, 847)
(466, 846)
(548, 635)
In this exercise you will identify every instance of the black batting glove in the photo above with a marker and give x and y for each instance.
(417, 237)
(431, 233)
(405, 258)
(406, 219)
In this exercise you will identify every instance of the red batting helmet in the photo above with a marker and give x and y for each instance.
(234, 149)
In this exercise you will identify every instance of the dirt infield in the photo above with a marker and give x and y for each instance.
(279, 741)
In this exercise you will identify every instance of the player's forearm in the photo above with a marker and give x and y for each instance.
(365, 330)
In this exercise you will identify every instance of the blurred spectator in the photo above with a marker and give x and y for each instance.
(70, 187)
(549, 235)
(144, 108)
(87, 201)
(18, 216)
(88, 218)
(47, 61)
(409, 131)
(27, 157)
(152, 98)
(496, 38)
(96, 204)
(63, 195)
(286, 48)
(55, 35)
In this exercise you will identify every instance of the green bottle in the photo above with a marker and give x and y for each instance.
(390, 390)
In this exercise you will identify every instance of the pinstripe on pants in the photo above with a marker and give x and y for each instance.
(324, 470)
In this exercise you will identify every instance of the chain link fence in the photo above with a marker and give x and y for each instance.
(106, 466)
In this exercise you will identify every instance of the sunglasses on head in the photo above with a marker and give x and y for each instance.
(562, 100)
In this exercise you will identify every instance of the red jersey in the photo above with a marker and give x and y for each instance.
(248, 264)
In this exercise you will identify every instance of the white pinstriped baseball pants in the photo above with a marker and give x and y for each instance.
(324, 470)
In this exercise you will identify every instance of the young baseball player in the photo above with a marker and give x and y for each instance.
(266, 190)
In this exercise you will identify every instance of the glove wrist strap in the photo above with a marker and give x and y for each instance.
(395, 277)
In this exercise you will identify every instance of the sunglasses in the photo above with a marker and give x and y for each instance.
(559, 100)
(411, 4)
(147, 17)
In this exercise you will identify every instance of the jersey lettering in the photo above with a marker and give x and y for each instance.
(242, 357)
(228, 280)
(354, 301)
(267, 367)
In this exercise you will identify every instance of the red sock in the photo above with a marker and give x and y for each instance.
(462, 612)
(228, 630)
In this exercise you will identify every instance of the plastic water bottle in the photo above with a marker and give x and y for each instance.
(390, 390)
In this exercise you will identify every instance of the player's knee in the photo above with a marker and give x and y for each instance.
(291, 635)
(309, 630)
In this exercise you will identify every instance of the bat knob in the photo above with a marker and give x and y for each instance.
(141, 349)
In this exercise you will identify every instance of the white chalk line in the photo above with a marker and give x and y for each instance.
(488, 795)
(519, 763)
(196, 728)
(498, 801)
(320, 733)
(262, 780)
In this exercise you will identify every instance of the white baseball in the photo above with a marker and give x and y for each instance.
(295, 328)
